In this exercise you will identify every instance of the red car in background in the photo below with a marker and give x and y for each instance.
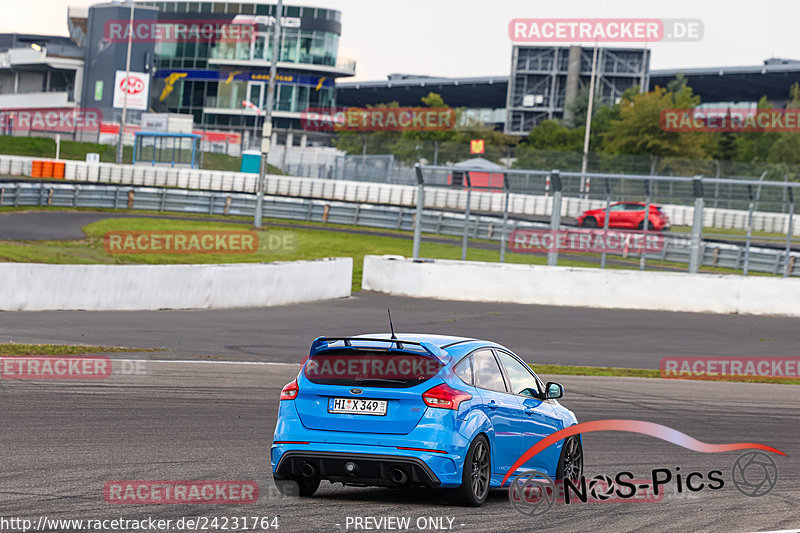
(628, 215)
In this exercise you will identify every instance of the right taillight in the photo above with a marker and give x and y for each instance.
(289, 392)
(445, 397)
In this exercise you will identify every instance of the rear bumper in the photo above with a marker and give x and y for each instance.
(374, 464)
(438, 453)
(366, 469)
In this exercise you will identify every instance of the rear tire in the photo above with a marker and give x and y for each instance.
(570, 463)
(297, 486)
(475, 476)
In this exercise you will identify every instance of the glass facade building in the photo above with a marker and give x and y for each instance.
(216, 65)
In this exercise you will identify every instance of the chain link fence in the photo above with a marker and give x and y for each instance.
(680, 209)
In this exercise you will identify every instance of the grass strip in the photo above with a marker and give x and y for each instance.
(574, 370)
(12, 349)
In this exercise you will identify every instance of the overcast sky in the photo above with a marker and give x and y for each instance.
(470, 37)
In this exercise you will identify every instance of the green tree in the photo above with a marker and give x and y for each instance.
(677, 84)
(754, 146)
(367, 142)
(786, 148)
(550, 135)
(638, 129)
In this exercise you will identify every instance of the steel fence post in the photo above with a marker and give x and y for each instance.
(465, 237)
(555, 216)
(605, 221)
(790, 194)
(751, 208)
(645, 223)
(418, 215)
(504, 231)
(697, 226)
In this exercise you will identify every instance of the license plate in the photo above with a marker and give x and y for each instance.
(359, 406)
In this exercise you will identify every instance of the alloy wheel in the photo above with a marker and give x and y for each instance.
(480, 470)
(573, 459)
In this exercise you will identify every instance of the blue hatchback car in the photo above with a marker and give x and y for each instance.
(417, 411)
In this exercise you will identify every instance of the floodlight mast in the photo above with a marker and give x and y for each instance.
(266, 129)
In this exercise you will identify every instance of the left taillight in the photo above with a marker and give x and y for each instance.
(444, 396)
(289, 392)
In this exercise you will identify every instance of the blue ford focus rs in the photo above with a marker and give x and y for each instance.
(417, 411)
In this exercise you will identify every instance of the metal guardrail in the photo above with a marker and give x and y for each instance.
(39, 194)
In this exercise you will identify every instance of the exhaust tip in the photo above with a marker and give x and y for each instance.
(399, 476)
(308, 469)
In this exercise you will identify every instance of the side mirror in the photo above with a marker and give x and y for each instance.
(533, 393)
(553, 391)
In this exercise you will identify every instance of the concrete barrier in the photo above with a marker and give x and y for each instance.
(39, 287)
(581, 287)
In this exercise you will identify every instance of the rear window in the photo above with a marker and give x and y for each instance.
(464, 370)
(486, 373)
(371, 368)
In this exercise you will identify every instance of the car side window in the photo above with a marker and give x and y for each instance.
(618, 207)
(486, 372)
(634, 207)
(520, 377)
(464, 370)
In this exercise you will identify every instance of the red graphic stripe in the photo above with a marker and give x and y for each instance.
(636, 426)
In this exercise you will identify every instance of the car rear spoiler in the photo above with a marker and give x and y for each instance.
(321, 344)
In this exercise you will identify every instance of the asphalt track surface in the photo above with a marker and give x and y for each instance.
(539, 334)
(62, 441)
(212, 416)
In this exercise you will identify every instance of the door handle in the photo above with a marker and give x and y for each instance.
(529, 410)
(493, 405)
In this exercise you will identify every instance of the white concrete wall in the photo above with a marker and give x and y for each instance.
(582, 287)
(39, 287)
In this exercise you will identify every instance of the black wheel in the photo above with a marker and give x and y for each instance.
(475, 477)
(650, 226)
(297, 486)
(570, 464)
(589, 222)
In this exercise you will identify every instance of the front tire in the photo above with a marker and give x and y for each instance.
(570, 463)
(589, 222)
(475, 476)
